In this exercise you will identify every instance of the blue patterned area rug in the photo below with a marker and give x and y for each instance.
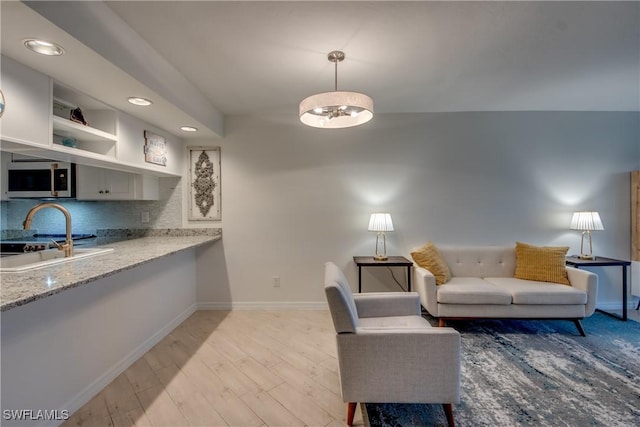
(536, 373)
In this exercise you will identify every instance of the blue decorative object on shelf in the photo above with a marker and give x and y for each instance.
(69, 142)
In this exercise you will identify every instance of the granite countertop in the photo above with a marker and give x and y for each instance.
(17, 289)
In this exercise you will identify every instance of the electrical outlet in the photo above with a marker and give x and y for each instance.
(275, 281)
(144, 217)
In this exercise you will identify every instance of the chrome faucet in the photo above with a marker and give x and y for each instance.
(67, 247)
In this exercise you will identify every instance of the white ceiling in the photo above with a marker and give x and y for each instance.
(240, 57)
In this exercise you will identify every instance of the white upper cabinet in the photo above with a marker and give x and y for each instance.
(105, 184)
(27, 114)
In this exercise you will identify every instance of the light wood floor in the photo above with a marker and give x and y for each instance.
(239, 368)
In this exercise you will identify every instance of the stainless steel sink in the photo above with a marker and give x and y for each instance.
(32, 260)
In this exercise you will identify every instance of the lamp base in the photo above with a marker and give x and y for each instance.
(381, 252)
(583, 253)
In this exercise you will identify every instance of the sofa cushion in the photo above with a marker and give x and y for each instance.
(472, 290)
(479, 261)
(531, 292)
(393, 322)
(541, 263)
(429, 257)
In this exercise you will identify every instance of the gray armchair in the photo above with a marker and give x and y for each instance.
(388, 353)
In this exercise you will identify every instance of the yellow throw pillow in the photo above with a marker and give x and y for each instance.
(428, 257)
(541, 263)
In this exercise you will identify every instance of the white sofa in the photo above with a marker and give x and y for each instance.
(482, 285)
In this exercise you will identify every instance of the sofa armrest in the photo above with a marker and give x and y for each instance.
(381, 304)
(425, 285)
(588, 282)
(409, 365)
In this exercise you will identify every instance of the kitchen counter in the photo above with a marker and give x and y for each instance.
(17, 289)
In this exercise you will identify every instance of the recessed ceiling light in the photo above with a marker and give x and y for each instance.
(188, 128)
(43, 47)
(142, 102)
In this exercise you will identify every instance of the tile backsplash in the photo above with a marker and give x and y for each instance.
(88, 216)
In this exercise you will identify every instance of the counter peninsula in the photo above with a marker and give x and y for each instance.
(22, 288)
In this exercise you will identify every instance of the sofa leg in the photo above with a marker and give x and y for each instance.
(579, 326)
(448, 412)
(441, 323)
(351, 411)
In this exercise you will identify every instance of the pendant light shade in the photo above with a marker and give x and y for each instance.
(337, 109)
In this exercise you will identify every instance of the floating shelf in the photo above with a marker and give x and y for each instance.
(80, 132)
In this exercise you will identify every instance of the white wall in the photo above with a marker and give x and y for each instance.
(295, 197)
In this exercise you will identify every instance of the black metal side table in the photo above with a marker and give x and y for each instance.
(606, 262)
(392, 261)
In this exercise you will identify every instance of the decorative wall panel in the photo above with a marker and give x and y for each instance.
(204, 184)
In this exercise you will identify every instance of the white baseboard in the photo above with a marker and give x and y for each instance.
(632, 303)
(101, 382)
(259, 305)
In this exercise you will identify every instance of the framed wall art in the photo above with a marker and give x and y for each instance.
(204, 184)
(155, 149)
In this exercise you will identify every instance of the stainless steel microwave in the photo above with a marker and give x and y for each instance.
(41, 179)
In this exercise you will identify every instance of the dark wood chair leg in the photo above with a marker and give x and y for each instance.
(448, 412)
(579, 326)
(441, 323)
(351, 411)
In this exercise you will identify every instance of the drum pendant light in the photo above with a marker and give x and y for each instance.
(337, 109)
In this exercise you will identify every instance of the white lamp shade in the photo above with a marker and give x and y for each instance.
(315, 110)
(586, 220)
(380, 222)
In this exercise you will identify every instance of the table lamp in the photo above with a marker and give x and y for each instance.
(586, 221)
(381, 222)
